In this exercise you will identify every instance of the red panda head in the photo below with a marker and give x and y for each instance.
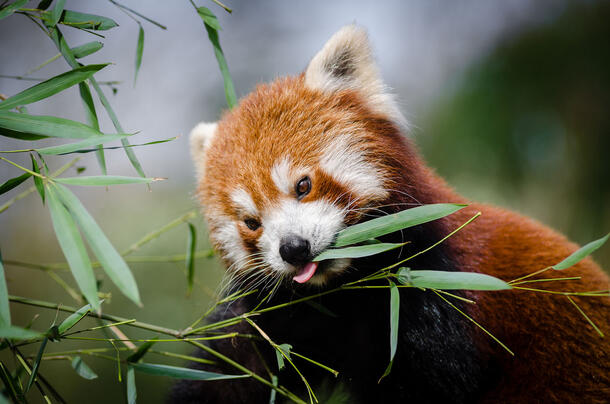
(298, 160)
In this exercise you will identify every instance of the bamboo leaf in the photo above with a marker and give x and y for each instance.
(5, 312)
(446, 280)
(394, 222)
(51, 86)
(190, 256)
(128, 146)
(285, 348)
(394, 317)
(139, 52)
(37, 126)
(73, 319)
(11, 8)
(13, 182)
(81, 20)
(37, 180)
(132, 393)
(83, 87)
(110, 259)
(357, 251)
(182, 373)
(581, 253)
(10, 386)
(79, 146)
(82, 369)
(86, 49)
(36, 365)
(104, 180)
(73, 249)
(212, 27)
(57, 11)
(18, 333)
(142, 350)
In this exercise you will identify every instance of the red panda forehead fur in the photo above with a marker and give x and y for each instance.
(287, 121)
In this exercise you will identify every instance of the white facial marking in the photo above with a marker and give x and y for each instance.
(227, 235)
(316, 222)
(349, 166)
(280, 174)
(243, 201)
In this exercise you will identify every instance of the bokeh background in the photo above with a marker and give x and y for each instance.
(509, 101)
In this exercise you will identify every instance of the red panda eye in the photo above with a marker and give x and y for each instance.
(303, 187)
(252, 224)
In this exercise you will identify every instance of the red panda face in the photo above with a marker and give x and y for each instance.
(294, 163)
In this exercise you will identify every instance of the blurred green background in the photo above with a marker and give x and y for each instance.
(509, 102)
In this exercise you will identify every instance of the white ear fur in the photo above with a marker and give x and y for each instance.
(201, 136)
(346, 62)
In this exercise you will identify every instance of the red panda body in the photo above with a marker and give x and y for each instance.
(303, 157)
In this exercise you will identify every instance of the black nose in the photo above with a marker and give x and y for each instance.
(295, 250)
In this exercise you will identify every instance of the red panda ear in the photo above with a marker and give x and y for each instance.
(201, 136)
(346, 62)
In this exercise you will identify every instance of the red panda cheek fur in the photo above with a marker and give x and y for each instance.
(441, 356)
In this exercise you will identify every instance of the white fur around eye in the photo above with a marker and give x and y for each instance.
(348, 165)
(243, 202)
(280, 174)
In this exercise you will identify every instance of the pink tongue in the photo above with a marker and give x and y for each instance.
(306, 273)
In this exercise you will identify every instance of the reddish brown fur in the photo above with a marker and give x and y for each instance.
(553, 344)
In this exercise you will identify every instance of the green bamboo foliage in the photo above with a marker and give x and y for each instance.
(75, 227)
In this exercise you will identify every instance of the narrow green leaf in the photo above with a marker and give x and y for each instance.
(11, 8)
(61, 44)
(5, 312)
(57, 11)
(394, 222)
(274, 381)
(581, 253)
(37, 180)
(82, 369)
(132, 393)
(212, 27)
(73, 248)
(83, 88)
(13, 389)
(38, 126)
(13, 182)
(139, 52)
(133, 159)
(190, 256)
(104, 180)
(36, 365)
(73, 319)
(285, 348)
(123, 147)
(209, 18)
(81, 20)
(182, 373)
(13, 332)
(86, 49)
(51, 86)
(78, 146)
(357, 251)
(139, 354)
(110, 259)
(394, 316)
(446, 280)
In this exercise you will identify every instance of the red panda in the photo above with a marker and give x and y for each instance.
(303, 157)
